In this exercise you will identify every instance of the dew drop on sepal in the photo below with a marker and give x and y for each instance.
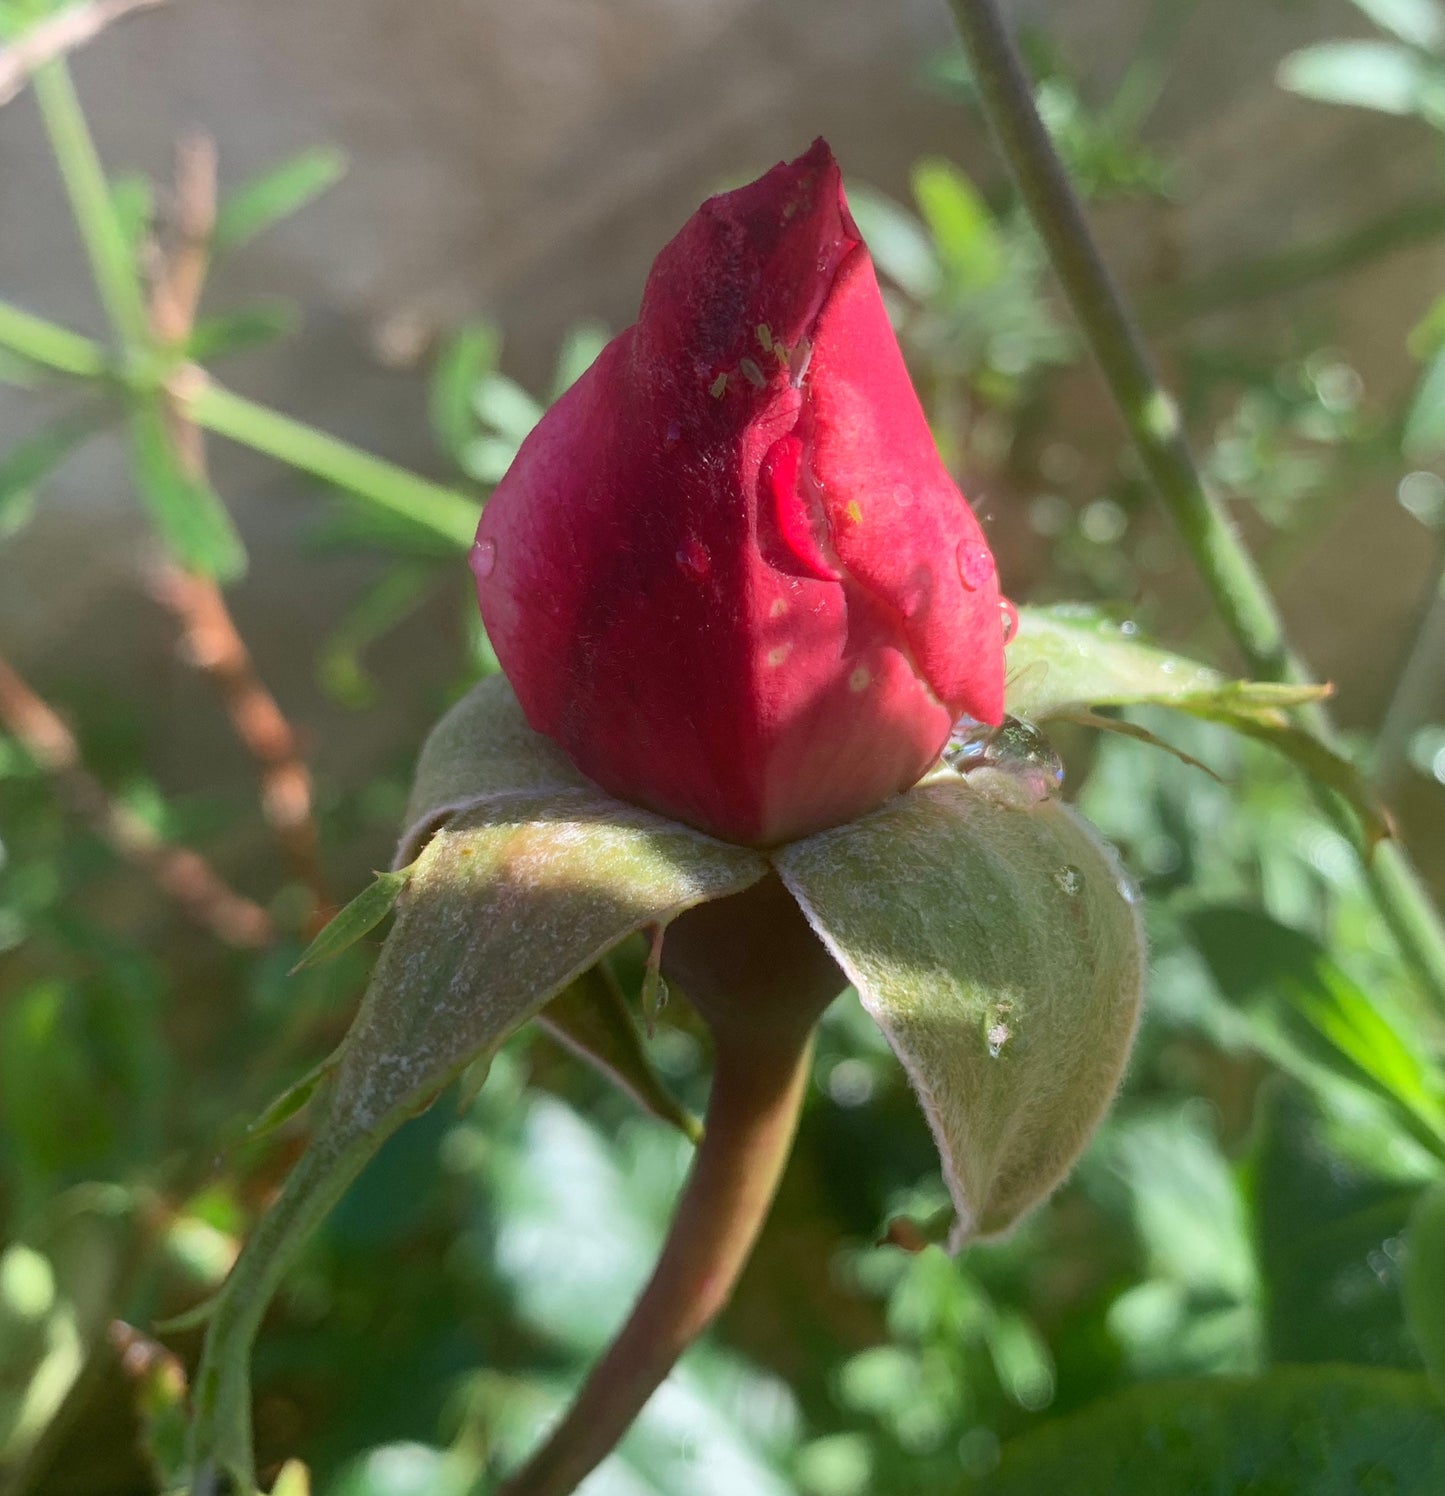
(1015, 750)
(484, 558)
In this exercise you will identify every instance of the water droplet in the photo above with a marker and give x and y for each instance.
(1010, 615)
(1070, 879)
(1169, 667)
(1129, 890)
(673, 434)
(1015, 750)
(1129, 628)
(975, 564)
(484, 558)
(998, 1035)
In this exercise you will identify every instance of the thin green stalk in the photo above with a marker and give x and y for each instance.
(447, 512)
(441, 510)
(1152, 418)
(1415, 686)
(111, 263)
(41, 342)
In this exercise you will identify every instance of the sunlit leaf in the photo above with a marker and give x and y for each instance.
(967, 239)
(1369, 74)
(276, 195)
(1418, 22)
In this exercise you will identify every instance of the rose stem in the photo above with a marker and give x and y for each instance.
(751, 1117)
(1239, 591)
(760, 978)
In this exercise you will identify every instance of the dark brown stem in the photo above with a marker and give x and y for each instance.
(760, 979)
(182, 874)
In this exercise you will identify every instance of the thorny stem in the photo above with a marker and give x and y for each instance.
(751, 1117)
(1152, 418)
(182, 874)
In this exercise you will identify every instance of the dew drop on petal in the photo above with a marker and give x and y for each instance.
(975, 564)
(673, 434)
(484, 559)
(1010, 616)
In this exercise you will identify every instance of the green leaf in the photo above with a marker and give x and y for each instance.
(190, 517)
(1066, 660)
(1418, 22)
(577, 354)
(482, 748)
(1424, 1281)
(25, 464)
(1297, 1431)
(362, 915)
(898, 242)
(1424, 435)
(509, 902)
(1325, 1232)
(966, 237)
(470, 355)
(591, 1018)
(1009, 985)
(400, 592)
(276, 195)
(502, 404)
(1306, 1008)
(232, 332)
(1367, 74)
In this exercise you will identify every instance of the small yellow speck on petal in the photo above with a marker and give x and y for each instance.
(860, 679)
(854, 511)
(778, 608)
(777, 655)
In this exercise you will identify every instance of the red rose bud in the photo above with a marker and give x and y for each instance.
(728, 572)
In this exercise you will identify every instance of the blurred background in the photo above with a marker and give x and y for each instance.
(430, 217)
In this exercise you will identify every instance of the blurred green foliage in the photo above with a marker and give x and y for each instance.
(1262, 1209)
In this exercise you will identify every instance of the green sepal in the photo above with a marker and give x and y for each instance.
(482, 747)
(362, 915)
(998, 947)
(510, 901)
(592, 1019)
